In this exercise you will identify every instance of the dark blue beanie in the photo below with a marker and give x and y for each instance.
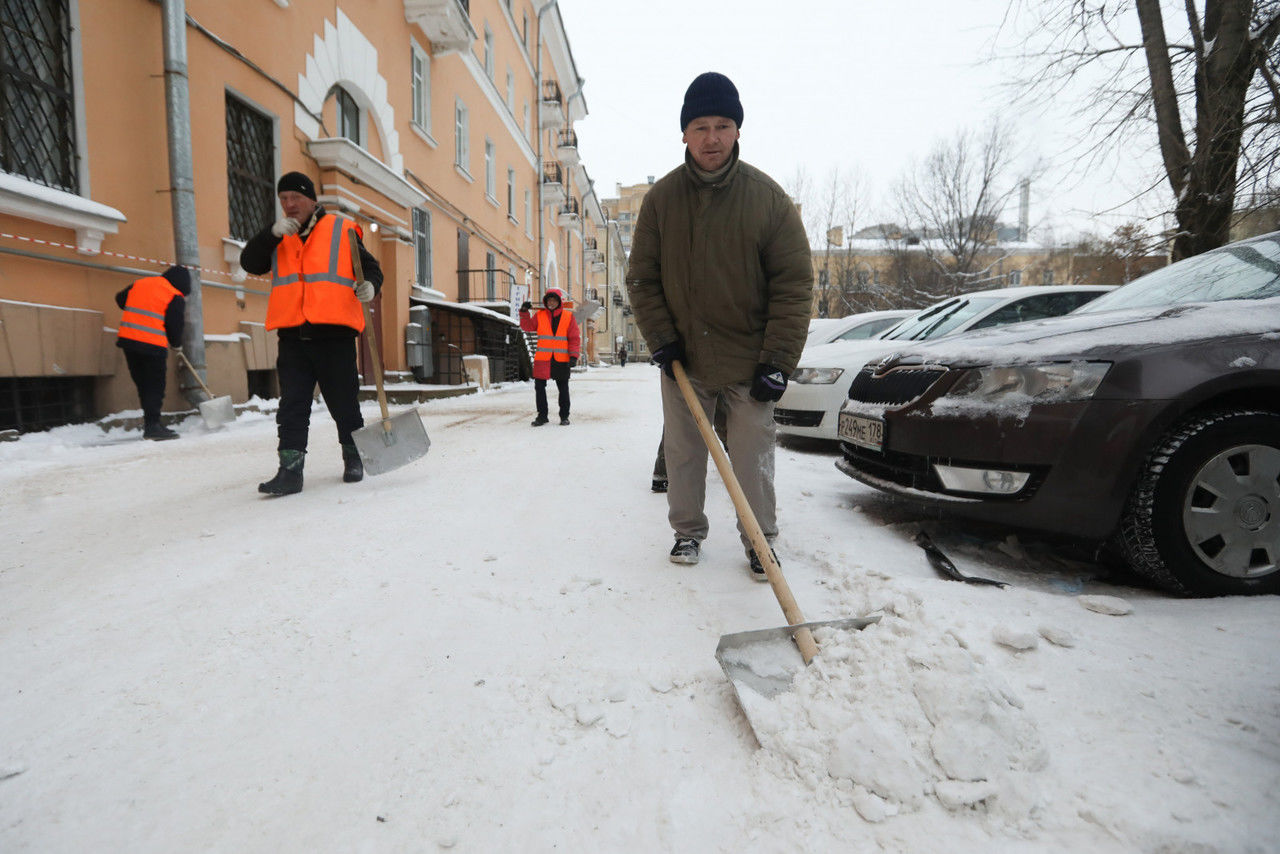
(711, 94)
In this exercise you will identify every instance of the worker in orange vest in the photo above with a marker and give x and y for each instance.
(557, 352)
(152, 323)
(315, 306)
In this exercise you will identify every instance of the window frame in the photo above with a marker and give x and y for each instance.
(420, 87)
(421, 221)
(461, 134)
(236, 161)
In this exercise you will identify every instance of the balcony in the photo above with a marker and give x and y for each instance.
(552, 184)
(551, 109)
(598, 266)
(567, 148)
(590, 250)
(568, 215)
(447, 23)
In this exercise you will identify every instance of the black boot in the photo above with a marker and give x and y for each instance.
(288, 479)
(540, 420)
(158, 432)
(352, 467)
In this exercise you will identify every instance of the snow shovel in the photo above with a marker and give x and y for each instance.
(216, 411)
(759, 663)
(394, 441)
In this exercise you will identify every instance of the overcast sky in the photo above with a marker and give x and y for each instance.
(824, 84)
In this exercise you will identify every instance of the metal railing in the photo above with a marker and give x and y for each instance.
(487, 284)
(552, 172)
(566, 138)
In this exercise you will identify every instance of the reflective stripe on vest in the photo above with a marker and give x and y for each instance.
(144, 308)
(553, 345)
(313, 281)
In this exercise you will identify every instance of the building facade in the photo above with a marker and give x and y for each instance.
(445, 128)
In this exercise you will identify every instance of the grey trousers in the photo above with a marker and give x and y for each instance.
(749, 434)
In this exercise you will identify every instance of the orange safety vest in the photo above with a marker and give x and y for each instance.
(553, 345)
(144, 308)
(313, 281)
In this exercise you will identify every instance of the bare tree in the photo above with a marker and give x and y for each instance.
(830, 210)
(1208, 98)
(1128, 253)
(955, 197)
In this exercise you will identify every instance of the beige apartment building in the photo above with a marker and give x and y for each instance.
(445, 128)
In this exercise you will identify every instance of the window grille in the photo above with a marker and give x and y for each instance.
(37, 97)
(250, 167)
(490, 277)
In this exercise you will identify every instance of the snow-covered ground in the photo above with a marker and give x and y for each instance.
(488, 650)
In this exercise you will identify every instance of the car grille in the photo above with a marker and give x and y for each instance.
(798, 417)
(898, 386)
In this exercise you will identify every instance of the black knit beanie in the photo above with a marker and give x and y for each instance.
(711, 94)
(298, 183)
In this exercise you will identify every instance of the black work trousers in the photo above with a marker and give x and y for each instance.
(540, 395)
(149, 371)
(304, 363)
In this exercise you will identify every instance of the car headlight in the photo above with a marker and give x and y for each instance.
(817, 376)
(1056, 382)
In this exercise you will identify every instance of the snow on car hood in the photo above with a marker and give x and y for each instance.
(1099, 335)
(850, 355)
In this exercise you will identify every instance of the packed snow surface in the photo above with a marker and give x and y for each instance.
(488, 650)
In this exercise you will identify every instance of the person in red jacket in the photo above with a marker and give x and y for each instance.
(152, 323)
(558, 348)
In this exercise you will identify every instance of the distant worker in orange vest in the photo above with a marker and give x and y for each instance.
(152, 323)
(558, 348)
(315, 305)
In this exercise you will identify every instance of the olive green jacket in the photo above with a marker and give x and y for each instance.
(725, 268)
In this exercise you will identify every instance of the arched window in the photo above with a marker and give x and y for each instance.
(348, 114)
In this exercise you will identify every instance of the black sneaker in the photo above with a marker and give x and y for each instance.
(564, 421)
(757, 568)
(659, 484)
(540, 420)
(685, 550)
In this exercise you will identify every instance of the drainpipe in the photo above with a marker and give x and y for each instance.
(542, 212)
(182, 180)
(582, 205)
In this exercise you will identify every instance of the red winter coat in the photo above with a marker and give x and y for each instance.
(547, 354)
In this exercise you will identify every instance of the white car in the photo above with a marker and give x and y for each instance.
(810, 406)
(855, 327)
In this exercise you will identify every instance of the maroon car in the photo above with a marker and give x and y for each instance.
(1148, 419)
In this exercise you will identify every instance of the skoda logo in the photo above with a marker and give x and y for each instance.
(886, 363)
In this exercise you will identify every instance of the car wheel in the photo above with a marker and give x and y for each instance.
(1204, 517)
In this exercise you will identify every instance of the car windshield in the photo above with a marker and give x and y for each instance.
(1247, 270)
(867, 329)
(938, 320)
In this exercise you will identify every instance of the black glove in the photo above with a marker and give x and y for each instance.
(526, 306)
(768, 383)
(573, 361)
(668, 353)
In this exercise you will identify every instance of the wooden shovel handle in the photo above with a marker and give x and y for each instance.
(371, 328)
(803, 637)
(194, 373)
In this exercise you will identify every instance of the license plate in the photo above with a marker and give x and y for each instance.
(867, 432)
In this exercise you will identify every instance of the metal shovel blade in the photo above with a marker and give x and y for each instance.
(392, 442)
(760, 664)
(217, 412)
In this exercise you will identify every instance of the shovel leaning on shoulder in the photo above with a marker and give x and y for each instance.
(760, 663)
(216, 411)
(397, 440)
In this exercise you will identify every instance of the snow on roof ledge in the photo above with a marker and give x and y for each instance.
(91, 220)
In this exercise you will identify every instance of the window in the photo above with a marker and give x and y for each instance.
(422, 246)
(251, 191)
(528, 211)
(490, 170)
(37, 97)
(488, 52)
(461, 148)
(1015, 278)
(490, 276)
(526, 119)
(524, 29)
(511, 192)
(1048, 276)
(348, 114)
(420, 68)
(511, 90)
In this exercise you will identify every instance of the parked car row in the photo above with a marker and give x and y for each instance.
(1147, 419)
